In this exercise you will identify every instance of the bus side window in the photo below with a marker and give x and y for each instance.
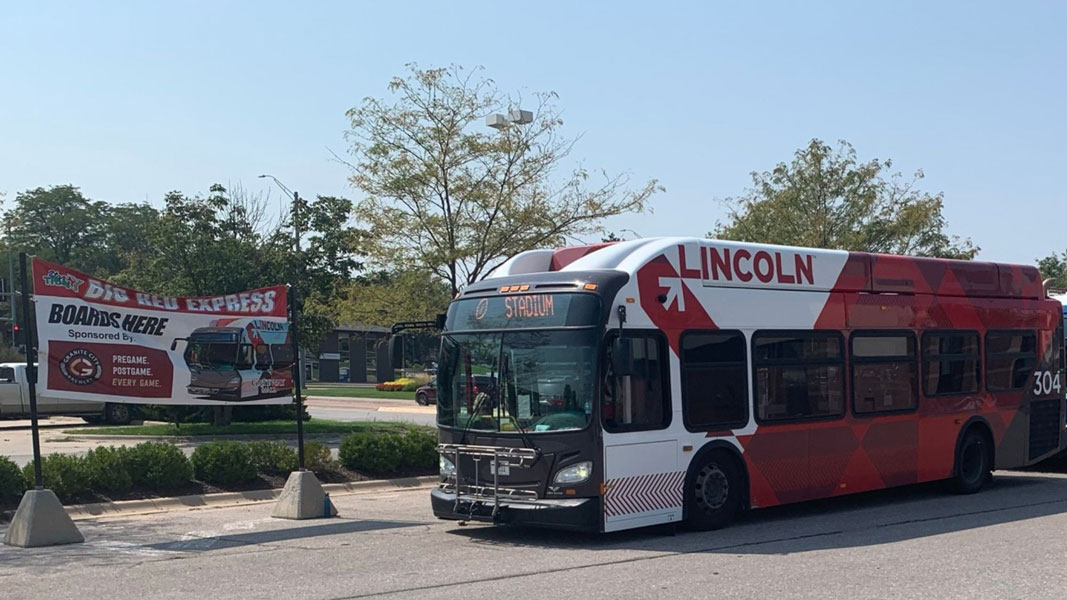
(640, 401)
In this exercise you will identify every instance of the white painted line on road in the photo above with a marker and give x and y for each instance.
(420, 410)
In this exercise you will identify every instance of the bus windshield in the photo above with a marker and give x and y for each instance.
(218, 356)
(536, 380)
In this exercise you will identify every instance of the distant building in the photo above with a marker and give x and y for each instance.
(351, 353)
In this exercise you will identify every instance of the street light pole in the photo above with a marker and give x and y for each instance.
(294, 298)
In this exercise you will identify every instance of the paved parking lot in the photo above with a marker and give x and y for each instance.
(919, 542)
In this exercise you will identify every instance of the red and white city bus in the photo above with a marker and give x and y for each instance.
(660, 380)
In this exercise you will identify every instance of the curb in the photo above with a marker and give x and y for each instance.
(92, 437)
(80, 512)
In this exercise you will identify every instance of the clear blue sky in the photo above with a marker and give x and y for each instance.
(130, 100)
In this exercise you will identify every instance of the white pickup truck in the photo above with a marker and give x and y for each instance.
(15, 401)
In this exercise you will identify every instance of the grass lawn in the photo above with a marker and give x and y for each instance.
(264, 427)
(354, 392)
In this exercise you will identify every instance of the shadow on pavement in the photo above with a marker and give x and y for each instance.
(222, 542)
(858, 520)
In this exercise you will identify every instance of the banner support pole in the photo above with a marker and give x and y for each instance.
(31, 371)
(297, 377)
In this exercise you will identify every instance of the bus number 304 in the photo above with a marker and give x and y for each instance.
(1045, 382)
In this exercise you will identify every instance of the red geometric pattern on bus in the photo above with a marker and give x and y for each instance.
(643, 493)
(800, 461)
(664, 305)
(791, 462)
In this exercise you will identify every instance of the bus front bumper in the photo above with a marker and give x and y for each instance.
(578, 514)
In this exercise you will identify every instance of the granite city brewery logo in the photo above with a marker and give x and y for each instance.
(479, 310)
(64, 280)
(80, 366)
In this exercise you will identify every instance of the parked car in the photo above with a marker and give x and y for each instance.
(15, 401)
(427, 394)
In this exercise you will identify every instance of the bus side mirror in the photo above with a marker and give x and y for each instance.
(622, 356)
(441, 318)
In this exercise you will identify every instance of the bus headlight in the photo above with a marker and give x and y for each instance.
(447, 467)
(576, 473)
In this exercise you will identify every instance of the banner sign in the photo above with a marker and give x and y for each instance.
(107, 343)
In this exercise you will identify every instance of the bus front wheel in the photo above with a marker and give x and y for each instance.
(713, 496)
(974, 462)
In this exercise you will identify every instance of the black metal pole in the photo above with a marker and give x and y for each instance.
(298, 365)
(31, 371)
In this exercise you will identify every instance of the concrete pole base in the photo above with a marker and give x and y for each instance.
(41, 521)
(303, 498)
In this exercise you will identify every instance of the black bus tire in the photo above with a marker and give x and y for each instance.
(974, 462)
(117, 414)
(714, 492)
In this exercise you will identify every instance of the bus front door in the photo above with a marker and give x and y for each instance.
(642, 480)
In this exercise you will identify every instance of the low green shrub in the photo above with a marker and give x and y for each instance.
(389, 453)
(64, 474)
(12, 483)
(107, 471)
(223, 463)
(317, 458)
(420, 451)
(272, 457)
(158, 465)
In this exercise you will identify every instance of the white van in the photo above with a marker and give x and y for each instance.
(15, 401)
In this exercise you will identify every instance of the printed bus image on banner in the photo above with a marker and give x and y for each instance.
(104, 342)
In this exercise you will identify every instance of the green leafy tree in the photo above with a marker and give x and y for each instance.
(59, 224)
(825, 198)
(224, 243)
(1054, 268)
(383, 298)
(447, 195)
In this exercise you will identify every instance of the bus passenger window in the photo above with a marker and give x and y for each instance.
(714, 379)
(1011, 357)
(799, 375)
(639, 401)
(885, 373)
(950, 363)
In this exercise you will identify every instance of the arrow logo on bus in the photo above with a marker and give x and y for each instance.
(675, 292)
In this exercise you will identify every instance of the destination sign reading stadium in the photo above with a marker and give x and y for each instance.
(523, 311)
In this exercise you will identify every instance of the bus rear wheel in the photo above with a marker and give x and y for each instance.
(714, 493)
(974, 463)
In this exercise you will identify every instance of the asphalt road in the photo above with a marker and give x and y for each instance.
(367, 409)
(1009, 541)
(16, 444)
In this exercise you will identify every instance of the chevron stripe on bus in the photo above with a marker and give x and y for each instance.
(643, 493)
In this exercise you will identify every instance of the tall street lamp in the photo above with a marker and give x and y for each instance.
(295, 197)
(298, 379)
(514, 117)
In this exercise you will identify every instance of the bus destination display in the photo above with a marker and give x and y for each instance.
(524, 311)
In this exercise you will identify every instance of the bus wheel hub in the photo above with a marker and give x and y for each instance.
(712, 487)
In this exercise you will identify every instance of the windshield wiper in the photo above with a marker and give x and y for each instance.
(504, 364)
